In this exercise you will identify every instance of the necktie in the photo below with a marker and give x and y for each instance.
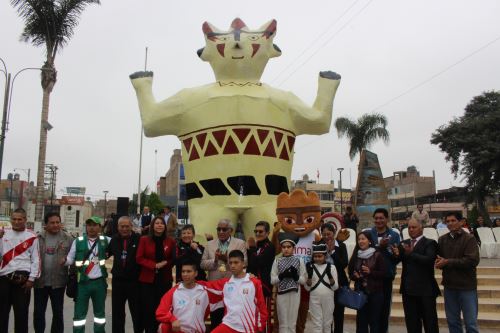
(413, 242)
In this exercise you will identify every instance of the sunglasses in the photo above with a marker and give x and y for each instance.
(219, 229)
(259, 231)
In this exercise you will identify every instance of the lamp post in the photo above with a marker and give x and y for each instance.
(105, 204)
(340, 186)
(7, 101)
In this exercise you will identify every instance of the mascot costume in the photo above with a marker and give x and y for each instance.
(237, 133)
(300, 213)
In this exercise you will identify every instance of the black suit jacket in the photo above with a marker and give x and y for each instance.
(340, 261)
(417, 278)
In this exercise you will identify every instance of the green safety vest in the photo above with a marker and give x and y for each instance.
(82, 247)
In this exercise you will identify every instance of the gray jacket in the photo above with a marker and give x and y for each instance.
(60, 273)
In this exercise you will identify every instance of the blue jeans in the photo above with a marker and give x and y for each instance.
(457, 301)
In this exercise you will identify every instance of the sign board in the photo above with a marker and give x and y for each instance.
(75, 190)
(68, 200)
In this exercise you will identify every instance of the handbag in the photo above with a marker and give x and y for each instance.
(352, 299)
(72, 284)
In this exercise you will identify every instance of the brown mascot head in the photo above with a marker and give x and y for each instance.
(298, 212)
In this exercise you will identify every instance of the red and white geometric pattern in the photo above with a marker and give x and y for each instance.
(246, 139)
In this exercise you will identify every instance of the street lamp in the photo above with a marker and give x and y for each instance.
(7, 101)
(105, 204)
(340, 186)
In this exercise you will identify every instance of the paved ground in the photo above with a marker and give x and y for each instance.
(68, 311)
(349, 327)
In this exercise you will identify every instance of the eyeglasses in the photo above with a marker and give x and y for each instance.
(219, 229)
(258, 231)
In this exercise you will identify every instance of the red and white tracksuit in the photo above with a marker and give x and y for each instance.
(245, 306)
(189, 306)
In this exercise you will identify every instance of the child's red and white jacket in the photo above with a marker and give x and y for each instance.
(190, 306)
(245, 307)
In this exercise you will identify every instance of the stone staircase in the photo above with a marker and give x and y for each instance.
(488, 290)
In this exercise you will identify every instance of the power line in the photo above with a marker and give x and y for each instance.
(420, 84)
(327, 41)
(437, 74)
(314, 41)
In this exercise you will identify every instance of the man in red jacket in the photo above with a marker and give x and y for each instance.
(243, 299)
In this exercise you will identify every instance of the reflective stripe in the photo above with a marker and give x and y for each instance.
(78, 263)
(102, 262)
(80, 238)
(99, 320)
(79, 322)
(102, 238)
(86, 262)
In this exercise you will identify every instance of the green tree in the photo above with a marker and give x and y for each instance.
(363, 132)
(472, 145)
(50, 24)
(154, 203)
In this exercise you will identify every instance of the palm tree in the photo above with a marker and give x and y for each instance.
(51, 24)
(363, 132)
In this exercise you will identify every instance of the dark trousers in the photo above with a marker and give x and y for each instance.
(18, 298)
(121, 292)
(338, 315)
(42, 296)
(420, 310)
(368, 317)
(151, 294)
(216, 318)
(386, 305)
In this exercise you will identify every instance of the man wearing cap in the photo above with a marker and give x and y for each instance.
(88, 253)
(19, 267)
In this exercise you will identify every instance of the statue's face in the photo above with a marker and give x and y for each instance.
(299, 213)
(240, 53)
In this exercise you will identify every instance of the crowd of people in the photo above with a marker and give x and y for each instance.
(231, 281)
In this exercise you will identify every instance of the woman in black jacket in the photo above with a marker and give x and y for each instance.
(367, 270)
(337, 255)
(188, 250)
(261, 254)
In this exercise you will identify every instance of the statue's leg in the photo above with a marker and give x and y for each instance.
(265, 212)
(205, 216)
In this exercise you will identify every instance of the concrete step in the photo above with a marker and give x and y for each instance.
(482, 291)
(485, 304)
(482, 279)
(481, 270)
(485, 319)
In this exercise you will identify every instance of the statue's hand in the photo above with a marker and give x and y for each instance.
(141, 74)
(343, 234)
(329, 75)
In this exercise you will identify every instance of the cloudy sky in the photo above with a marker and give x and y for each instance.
(417, 62)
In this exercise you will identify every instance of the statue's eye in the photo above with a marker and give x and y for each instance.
(289, 220)
(309, 219)
(253, 37)
(223, 38)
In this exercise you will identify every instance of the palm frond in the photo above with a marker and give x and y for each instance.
(50, 22)
(345, 126)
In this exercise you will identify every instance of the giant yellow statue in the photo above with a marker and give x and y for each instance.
(237, 133)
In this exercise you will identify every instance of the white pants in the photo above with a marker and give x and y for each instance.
(288, 309)
(321, 306)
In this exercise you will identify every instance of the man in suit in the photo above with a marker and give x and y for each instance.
(419, 288)
(171, 221)
(214, 259)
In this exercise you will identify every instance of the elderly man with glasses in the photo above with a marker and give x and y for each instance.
(215, 261)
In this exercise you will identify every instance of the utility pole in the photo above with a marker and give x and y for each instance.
(4, 118)
(105, 204)
(340, 186)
